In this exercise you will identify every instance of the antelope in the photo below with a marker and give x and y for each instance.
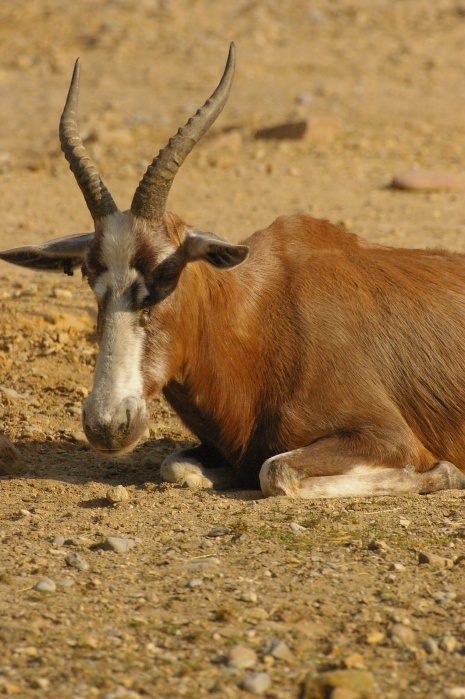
(304, 359)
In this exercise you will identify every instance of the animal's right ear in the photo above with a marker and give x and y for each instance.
(214, 250)
(59, 254)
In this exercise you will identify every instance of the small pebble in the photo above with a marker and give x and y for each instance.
(219, 531)
(25, 513)
(405, 523)
(115, 543)
(40, 683)
(249, 596)
(448, 643)
(397, 567)
(58, 540)
(195, 582)
(355, 660)
(456, 692)
(45, 585)
(66, 582)
(117, 493)
(256, 683)
(242, 657)
(74, 560)
(88, 641)
(430, 645)
(151, 596)
(375, 637)
(402, 635)
(296, 528)
(121, 693)
(377, 545)
(434, 560)
(281, 651)
(59, 293)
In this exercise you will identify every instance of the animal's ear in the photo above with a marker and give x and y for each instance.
(59, 254)
(213, 249)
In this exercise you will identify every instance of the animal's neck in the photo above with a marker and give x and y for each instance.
(217, 383)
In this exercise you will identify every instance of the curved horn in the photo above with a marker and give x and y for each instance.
(98, 199)
(150, 198)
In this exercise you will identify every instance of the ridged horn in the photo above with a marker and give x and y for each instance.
(98, 199)
(150, 198)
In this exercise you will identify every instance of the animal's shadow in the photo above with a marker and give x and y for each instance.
(69, 461)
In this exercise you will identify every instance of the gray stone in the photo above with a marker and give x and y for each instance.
(121, 693)
(296, 528)
(402, 635)
(45, 585)
(242, 657)
(448, 643)
(249, 596)
(66, 582)
(58, 540)
(378, 545)
(455, 692)
(281, 651)
(256, 683)
(195, 582)
(397, 567)
(203, 563)
(424, 557)
(74, 560)
(115, 543)
(430, 645)
(219, 531)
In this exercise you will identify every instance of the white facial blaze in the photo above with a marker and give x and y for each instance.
(118, 373)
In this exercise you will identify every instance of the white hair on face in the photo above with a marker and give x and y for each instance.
(118, 372)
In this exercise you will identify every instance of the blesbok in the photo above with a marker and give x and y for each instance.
(305, 359)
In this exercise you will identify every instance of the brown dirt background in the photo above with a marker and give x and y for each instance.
(382, 84)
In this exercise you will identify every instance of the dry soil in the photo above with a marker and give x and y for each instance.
(381, 85)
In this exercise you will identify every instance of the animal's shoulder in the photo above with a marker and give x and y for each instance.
(300, 231)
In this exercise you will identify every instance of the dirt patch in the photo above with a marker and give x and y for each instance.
(380, 87)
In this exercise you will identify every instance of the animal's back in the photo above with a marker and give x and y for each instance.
(357, 323)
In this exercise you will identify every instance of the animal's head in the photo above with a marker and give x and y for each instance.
(134, 262)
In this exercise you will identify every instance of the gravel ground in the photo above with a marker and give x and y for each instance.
(112, 584)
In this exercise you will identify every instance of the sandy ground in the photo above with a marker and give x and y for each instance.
(382, 87)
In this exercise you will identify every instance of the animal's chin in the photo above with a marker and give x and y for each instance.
(109, 453)
(118, 450)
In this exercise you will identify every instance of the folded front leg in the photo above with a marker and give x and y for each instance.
(363, 465)
(198, 467)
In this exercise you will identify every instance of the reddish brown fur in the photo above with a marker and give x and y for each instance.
(318, 338)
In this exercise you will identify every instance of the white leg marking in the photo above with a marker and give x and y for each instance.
(189, 472)
(360, 481)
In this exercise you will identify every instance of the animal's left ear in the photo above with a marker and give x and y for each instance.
(59, 254)
(213, 249)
